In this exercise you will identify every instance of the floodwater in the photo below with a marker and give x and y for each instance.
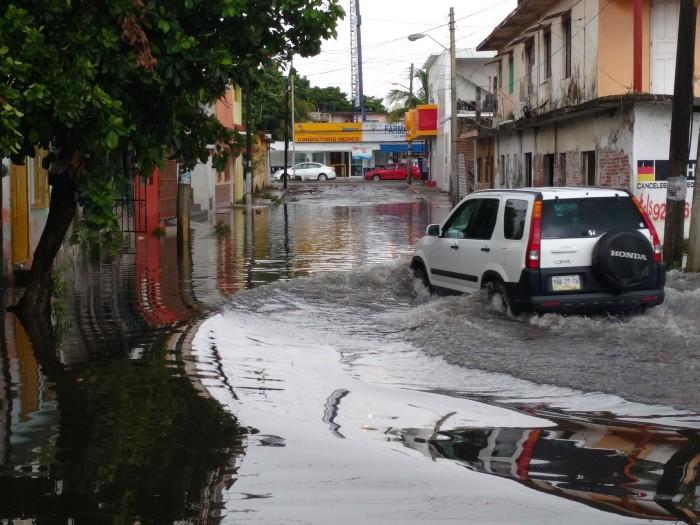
(290, 370)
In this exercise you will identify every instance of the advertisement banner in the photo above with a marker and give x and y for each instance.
(359, 153)
(382, 132)
(328, 132)
(650, 189)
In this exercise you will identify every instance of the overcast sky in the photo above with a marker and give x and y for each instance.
(386, 51)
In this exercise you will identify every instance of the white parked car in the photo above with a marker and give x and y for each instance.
(307, 171)
(547, 250)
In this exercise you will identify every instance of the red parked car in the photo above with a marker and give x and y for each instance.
(392, 172)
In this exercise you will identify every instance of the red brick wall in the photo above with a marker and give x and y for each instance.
(614, 169)
(558, 171)
(574, 175)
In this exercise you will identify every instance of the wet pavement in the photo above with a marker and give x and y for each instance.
(289, 369)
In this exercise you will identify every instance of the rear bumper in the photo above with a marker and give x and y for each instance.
(534, 292)
(595, 302)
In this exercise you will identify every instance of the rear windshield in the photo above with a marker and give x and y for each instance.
(591, 217)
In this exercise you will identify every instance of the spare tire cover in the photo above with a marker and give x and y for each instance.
(622, 259)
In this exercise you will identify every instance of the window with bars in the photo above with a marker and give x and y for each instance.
(547, 51)
(511, 73)
(566, 34)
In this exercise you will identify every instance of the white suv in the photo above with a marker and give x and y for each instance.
(547, 250)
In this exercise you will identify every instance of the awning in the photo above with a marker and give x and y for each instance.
(402, 147)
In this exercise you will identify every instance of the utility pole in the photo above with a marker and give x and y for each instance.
(249, 145)
(475, 143)
(681, 114)
(292, 73)
(285, 175)
(409, 168)
(453, 108)
(359, 60)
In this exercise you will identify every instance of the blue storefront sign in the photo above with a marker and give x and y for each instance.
(402, 147)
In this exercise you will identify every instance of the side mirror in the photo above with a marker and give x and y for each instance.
(433, 230)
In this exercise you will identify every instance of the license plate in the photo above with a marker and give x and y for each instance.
(566, 283)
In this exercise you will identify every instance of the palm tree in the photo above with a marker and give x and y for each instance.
(399, 98)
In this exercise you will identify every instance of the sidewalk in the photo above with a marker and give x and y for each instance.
(432, 194)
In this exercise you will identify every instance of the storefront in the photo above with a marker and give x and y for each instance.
(351, 148)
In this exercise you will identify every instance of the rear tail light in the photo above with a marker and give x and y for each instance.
(658, 253)
(532, 256)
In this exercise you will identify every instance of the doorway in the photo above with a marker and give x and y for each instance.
(20, 214)
(549, 169)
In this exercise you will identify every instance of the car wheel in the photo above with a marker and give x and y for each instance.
(420, 274)
(322, 177)
(376, 177)
(498, 296)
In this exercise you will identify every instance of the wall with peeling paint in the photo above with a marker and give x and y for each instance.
(537, 93)
(610, 135)
(652, 138)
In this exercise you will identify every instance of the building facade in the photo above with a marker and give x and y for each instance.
(584, 90)
(474, 77)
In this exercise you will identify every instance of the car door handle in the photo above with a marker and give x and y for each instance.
(485, 249)
(454, 246)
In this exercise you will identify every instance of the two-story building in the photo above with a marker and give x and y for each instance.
(473, 77)
(584, 91)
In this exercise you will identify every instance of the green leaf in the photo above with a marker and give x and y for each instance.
(163, 25)
(112, 140)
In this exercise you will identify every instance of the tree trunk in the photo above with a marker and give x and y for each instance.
(36, 300)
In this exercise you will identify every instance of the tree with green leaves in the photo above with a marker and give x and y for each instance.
(374, 104)
(399, 98)
(108, 85)
(268, 101)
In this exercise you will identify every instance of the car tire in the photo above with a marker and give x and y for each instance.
(421, 274)
(496, 291)
(322, 177)
(376, 178)
(622, 259)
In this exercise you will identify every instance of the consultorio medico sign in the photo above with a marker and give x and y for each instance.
(350, 132)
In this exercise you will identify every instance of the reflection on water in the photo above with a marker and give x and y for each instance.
(642, 471)
(119, 438)
(109, 421)
(114, 419)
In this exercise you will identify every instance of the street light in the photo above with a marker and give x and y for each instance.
(418, 36)
(453, 97)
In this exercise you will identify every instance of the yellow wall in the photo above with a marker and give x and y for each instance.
(238, 185)
(237, 105)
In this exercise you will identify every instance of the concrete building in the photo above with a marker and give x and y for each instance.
(475, 72)
(346, 116)
(581, 101)
(214, 190)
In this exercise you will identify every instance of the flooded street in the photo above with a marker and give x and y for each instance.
(289, 369)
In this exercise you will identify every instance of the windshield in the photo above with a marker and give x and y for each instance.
(590, 217)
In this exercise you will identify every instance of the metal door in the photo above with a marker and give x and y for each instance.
(20, 214)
